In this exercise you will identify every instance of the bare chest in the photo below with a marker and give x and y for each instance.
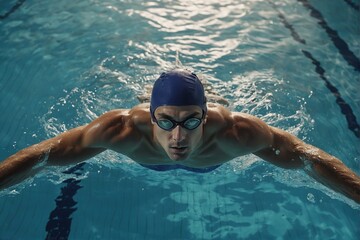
(210, 155)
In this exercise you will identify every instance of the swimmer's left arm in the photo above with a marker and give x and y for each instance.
(287, 151)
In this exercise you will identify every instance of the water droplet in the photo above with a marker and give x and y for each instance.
(311, 198)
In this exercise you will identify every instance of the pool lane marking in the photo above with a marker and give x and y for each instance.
(287, 25)
(59, 223)
(12, 10)
(345, 108)
(339, 43)
(353, 5)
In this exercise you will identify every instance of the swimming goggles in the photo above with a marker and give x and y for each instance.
(169, 124)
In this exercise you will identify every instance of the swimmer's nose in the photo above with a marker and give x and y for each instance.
(177, 134)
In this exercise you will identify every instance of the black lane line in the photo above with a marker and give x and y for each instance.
(13, 9)
(345, 108)
(294, 34)
(353, 5)
(339, 43)
(59, 223)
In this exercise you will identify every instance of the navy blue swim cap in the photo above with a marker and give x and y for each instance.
(177, 88)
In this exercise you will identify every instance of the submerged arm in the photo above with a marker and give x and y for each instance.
(287, 151)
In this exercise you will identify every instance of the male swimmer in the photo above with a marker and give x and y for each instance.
(180, 130)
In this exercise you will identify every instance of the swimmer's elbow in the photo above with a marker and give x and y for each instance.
(280, 158)
(281, 149)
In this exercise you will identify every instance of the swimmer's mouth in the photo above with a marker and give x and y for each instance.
(179, 149)
(178, 153)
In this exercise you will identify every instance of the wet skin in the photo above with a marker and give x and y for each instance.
(221, 136)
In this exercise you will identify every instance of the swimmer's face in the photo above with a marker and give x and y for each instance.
(178, 130)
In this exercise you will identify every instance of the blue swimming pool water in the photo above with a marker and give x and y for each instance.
(294, 63)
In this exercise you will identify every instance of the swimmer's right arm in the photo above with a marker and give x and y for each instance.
(73, 146)
(67, 148)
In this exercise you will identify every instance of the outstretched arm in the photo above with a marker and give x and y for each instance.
(66, 148)
(113, 130)
(287, 151)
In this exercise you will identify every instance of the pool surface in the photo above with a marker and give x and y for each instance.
(293, 63)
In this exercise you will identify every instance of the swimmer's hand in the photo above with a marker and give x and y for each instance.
(287, 151)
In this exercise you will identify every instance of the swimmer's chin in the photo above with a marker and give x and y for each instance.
(178, 157)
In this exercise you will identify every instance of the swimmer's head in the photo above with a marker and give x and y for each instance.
(177, 88)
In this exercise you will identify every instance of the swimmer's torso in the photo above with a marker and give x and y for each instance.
(130, 132)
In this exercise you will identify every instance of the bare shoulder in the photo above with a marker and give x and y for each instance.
(124, 117)
(221, 115)
(116, 126)
(256, 132)
(217, 113)
(242, 129)
(141, 118)
(140, 113)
